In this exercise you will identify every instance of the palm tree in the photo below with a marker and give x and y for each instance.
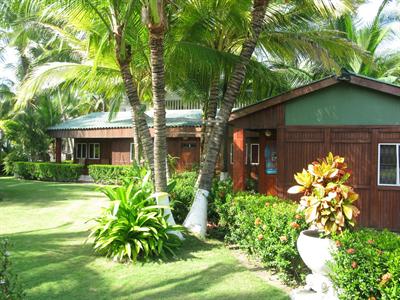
(197, 217)
(153, 14)
(110, 31)
(369, 38)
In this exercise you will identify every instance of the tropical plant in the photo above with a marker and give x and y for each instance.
(133, 226)
(370, 38)
(327, 201)
(10, 287)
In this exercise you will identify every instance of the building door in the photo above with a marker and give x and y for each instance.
(189, 154)
(268, 166)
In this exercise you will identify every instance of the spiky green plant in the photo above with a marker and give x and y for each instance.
(133, 226)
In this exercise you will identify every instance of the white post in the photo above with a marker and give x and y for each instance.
(196, 220)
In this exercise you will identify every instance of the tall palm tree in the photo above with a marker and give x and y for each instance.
(197, 217)
(153, 14)
(109, 30)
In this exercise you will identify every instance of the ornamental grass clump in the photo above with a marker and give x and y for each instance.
(133, 226)
(327, 201)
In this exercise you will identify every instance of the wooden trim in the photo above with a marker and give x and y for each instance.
(172, 132)
(375, 85)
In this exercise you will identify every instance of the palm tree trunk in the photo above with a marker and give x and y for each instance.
(136, 144)
(138, 115)
(196, 221)
(160, 130)
(211, 112)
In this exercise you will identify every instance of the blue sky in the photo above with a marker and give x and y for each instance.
(366, 14)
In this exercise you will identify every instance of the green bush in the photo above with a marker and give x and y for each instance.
(133, 226)
(10, 288)
(367, 265)
(268, 228)
(47, 171)
(182, 195)
(111, 174)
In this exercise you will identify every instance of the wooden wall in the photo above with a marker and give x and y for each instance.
(380, 206)
(117, 151)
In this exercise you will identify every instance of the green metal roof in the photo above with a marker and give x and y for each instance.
(100, 120)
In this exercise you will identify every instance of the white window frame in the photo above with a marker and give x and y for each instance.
(76, 151)
(94, 152)
(251, 154)
(397, 168)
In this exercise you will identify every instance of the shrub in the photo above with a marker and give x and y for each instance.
(47, 171)
(182, 195)
(367, 265)
(327, 200)
(133, 226)
(111, 174)
(10, 288)
(268, 228)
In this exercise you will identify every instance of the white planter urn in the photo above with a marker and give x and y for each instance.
(316, 253)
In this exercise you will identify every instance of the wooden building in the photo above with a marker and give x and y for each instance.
(98, 140)
(350, 115)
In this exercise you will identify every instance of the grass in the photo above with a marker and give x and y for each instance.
(47, 225)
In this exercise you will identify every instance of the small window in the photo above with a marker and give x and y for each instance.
(388, 164)
(254, 154)
(80, 150)
(94, 151)
(188, 145)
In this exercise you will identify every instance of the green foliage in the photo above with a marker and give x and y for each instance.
(268, 228)
(182, 195)
(10, 288)
(111, 174)
(367, 265)
(133, 226)
(10, 159)
(47, 171)
(327, 201)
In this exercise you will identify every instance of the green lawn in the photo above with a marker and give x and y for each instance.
(47, 224)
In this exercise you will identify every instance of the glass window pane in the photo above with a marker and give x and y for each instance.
(97, 151)
(84, 151)
(255, 153)
(388, 164)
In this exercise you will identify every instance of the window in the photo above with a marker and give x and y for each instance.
(80, 150)
(388, 164)
(254, 154)
(188, 145)
(94, 151)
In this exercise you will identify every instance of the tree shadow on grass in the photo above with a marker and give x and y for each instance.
(59, 266)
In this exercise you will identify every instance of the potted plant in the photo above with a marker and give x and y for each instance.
(328, 205)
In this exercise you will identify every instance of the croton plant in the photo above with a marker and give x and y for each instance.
(327, 201)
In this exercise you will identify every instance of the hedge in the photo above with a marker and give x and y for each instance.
(266, 227)
(47, 171)
(111, 174)
(366, 265)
